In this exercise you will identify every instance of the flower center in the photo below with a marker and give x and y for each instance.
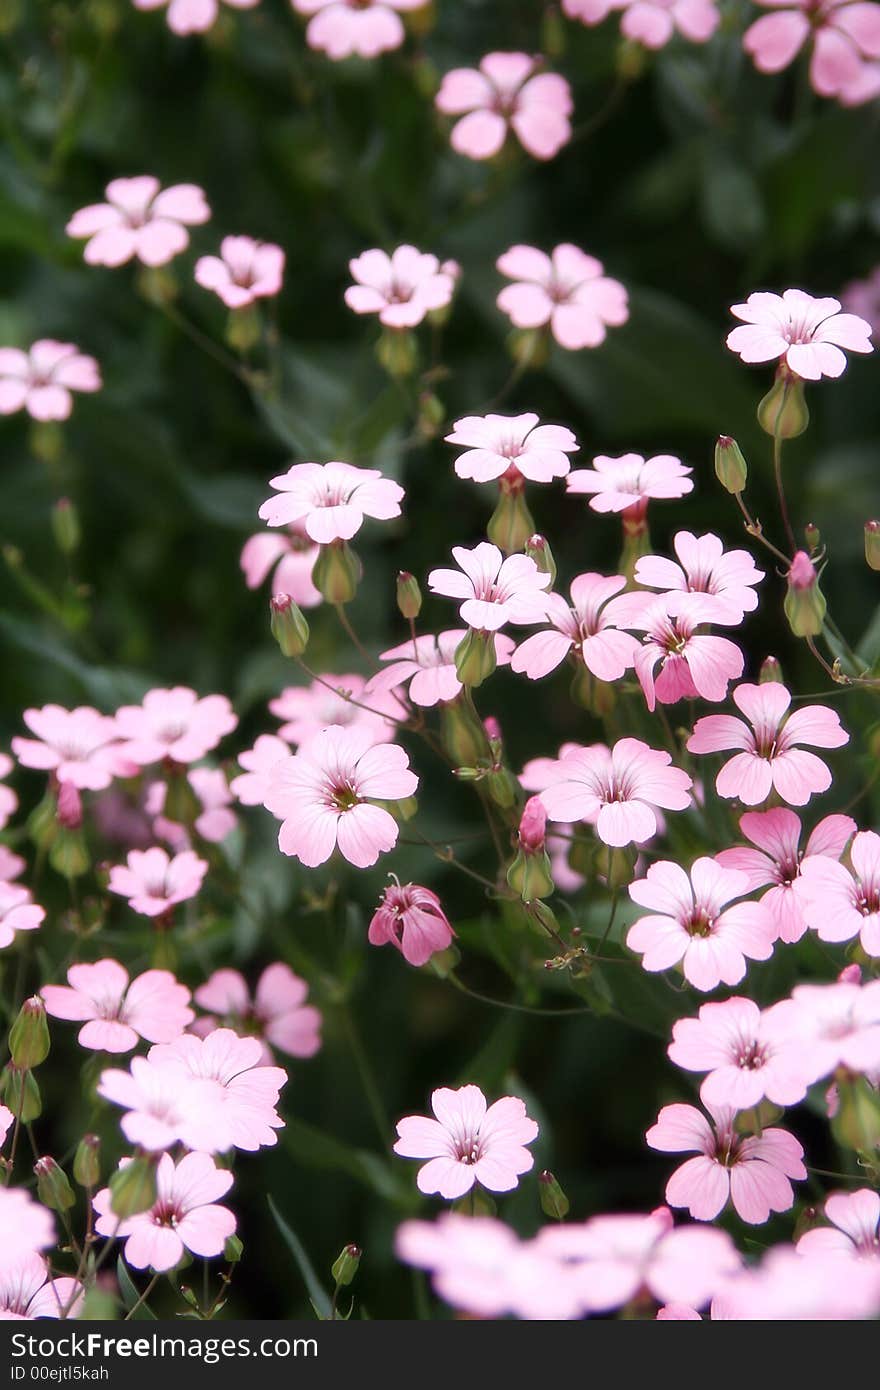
(700, 924)
(343, 797)
(751, 1057)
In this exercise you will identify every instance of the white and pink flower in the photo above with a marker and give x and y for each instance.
(854, 1230)
(493, 590)
(676, 661)
(705, 567)
(468, 1142)
(749, 1055)
(628, 483)
(18, 912)
(331, 499)
(173, 724)
(567, 290)
(365, 28)
(289, 557)
(154, 882)
(845, 39)
(508, 92)
(185, 1215)
(841, 903)
(26, 1291)
(244, 271)
(588, 630)
(342, 700)
(117, 1012)
(252, 785)
(277, 1013)
(79, 746)
(428, 663)
(401, 288)
(516, 446)
(41, 380)
(807, 334)
(616, 788)
(141, 220)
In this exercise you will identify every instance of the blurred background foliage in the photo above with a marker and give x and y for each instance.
(695, 180)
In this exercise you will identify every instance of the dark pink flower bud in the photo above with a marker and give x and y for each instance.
(69, 809)
(802, 574)
(533, 825)
(850, 975)
(804, 602)
(493, 728)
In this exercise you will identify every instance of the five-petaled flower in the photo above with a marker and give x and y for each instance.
(116, 1012)
(411, 918)
(331, 499)
(518, 446)
(139, 219)
(41, 380)
(366, 28)
(244, 271)
(184, 1216)
(401, 288)
(507, 92)
(806, 333)
(567, 290)
(619, 788)
(468, 1142)
(494, 590)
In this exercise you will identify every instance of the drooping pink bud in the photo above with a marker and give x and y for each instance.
(69, 808)
(533, 825)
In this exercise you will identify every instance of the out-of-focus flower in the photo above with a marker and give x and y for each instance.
(654, 22)
(587, 629)
(18, 912)
(837, 1025)
(139, 219)
(676, 661)
(27, 1227)
(366, 28)
(153, 882)
(748, 1054)
(494, 590)
(277, 1014)
(507, 92)
(214, 822)
(11, 865)
(331, 499)
(8, 806)
(244, 271)
(727, 576)
(567, 290)
(840, 903)
(401, 288)
(862, 298)
(788, 1286)
(41, 380)
(116, 1014)
(173, 724)
(806, 333)
(854, 1232)
(429, 666)
(468, 1142)
(289, 556)
(628, 483)
(617, 788)
(26, 1291)
(251, 786)
(412, 919)
(306, 710)
(184, 1216)
(79, 746)
(845, 37)
(192, 16)
(519, 444)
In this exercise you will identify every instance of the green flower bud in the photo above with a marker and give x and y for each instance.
(65, 526)
(804, 601)
(46, 441)
(244, 328)
(464, 737)
(21, 1093)
(783, 412)
(529, 346)
(398, 351)
(872, 544)
(554, 1202)
(288, 624)
(29, 1035)
(69, 853)
(771, 670)
(812, 536)
(599, 697)
(731, 469)
(345, 1267)
(444, 962)
(502, 787)
(157, 284)
(42, 823)
(529, 875)
(133, 1187)
(409, 595)
(53, 1187)
(87, 1161)
(857, 1122)
(233, 1250)
(337, 572)
(475, 658)
(403, 810)
(538, 549)
(631, 60)
(511, 524)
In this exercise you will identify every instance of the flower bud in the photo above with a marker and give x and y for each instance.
(432, 412)
(46, 441)
(856, 1124)
(157, 284)
(533, 825)
(87, 1161)
(409, 595)
(53, 1187)
(617, 869)
(493, 734)
(337, 572)
(554, 1202)
(133, 1187)
(233, 1250)
(731, 469)
(812, 537)
(502, 787)
(21, 1093)
(530, 347)
(511, 523)
(631, 60)
(65, 526)
(599, 697)
(538, 549)
(29, 1035)
(444, 962)
(288, 624)
(464, 737)
(771, 670)
(783, 412)
(69, 806)
(872, 544)
(398, 352)
(244, 328)
(345, 1267)
(529, 875)
(475, 658)
(804, 602)
(69, 853)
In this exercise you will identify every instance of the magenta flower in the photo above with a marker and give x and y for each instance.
(27, 1292)
(27, 1227)
(277, 1014)
(174, 724)
(308, 709)
(705, 567)
(154, 883)
(79, 746)
(692, 925)
(41, 380)
(192, 16)
(412, 919)
(691, 663)
(515, 445)
(776, 860)
(244, 271)
(789, 1286)
(184, 1216)
(587, 629)
(325, 797)
(628, 483)
(367, 28)
(292, 558)
(253, 784)
(854, 1232)
(331, 499)
(18, 912)
(654, 22)
(845, 39)
(806, 333)
(429, 666)
(752, 1172)
(748, 1054)
(401, 288)
(116, 1014)
(508, 92)
(567, 290)
(771, 757)
(494, 590)
(139, 220)
(619, 788)
(468, 1143)
(837, 1025)
(839, 903)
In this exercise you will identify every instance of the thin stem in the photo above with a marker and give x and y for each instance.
(365, 1071)
(508, 1004)
(780, 492)
(754, 529)
(143, 1298)
(350, 632)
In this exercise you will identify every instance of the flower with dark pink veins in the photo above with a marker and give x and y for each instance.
(587, 629)
(117, 1012)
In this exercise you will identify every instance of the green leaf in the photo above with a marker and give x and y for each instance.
(319, 1299)
(131, 1294)
(105, 686)
(316, 1149)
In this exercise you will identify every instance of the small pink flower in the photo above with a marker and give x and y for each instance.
(174, 724)
(748, 1054)
(854, 1232)
(628, 483)
(777, 859)
(412, 919)
(752, 1172)
(494, 590)
(154, 883)
(27, 1227)
(163, 1109)
(516, 445)
(771, 757)
(214, 823)
(691, 663)
(862, 298)
(253, 784)
(654, 22)
(331, 499)
(468, 1143)
(567, 290)
(291, 556)
(26, 1291)
(244, 271)
(618, 788)
(277, 1014)
(587, 630)
(228, 1069)
(11, 865)
(367, 28)
(116, 1014)
(693, 924)
(192, 16)
(80, 746)
(591, 11)
(705, 567)
(184, 1216)
(839, 903)
(845, 37)
(8, 807)
(41, 379)
(508, 92)
(139, 220)
(18, 912)
(806, 333)
(789, 1286)
(308, 709)
(837, 1025)
(401, 288)
(325, 796)
(429, 666)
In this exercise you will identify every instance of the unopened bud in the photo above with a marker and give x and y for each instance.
(783, 412)
(530, 347)
(444, 962)
(529, 875)
(804, 601)
(69, 810)
(464, 737)
(53, 1187)
(345, 1267)
(856, 1124)
(731, 469)
(538, 549)
(337, 572)
(244, 328)
(771, 670)
(599, 697)
(511, 524)
(233, 1250)
(87, 1161)
(501, 786)
(409, 595)
(133, 1188)
(812, 537)
(29, 1035)
(493, 732)
(21, 1093)
(475, 658)
(554, 1202)
(872, 544)
(398, 352)
(65, 526)
(69, 853)
(533, 825)
(288, 624)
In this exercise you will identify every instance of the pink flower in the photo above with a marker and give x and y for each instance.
(307, 710)
(705, 568)
(693, 925)
(862, 298)
(840, 904)
(468, 1143)
(277, 1013)
(837, 1025)
(192, 16)
(184, 1216)
(174, 724)
(253, 784)
(164, 1109)
(26, 1291)
(532, 830)
(507, 93)
(139, 220)
(517, 445)
(412, 919)
(367, 28)
(806, 333)
(8, 807)
(788, 1286)
(401, 288)
(567, 290)
(854, 1231)
(80, 746)
(11, 865)
(654, 22)
(494, 590)
(752, 1172)
(116, 1014)
(777, 859)
(230, 1071)
(214, 823)
(292, 556)
(325, 797)
(18, 912)
(845, 36)
(748, 1054)
(331, 499)
(691, 663)
(590, 11)
(26, 1225)
(429, 666)
(619, 788)
(244, 271)
(628, 483)
(41, 379)
(771, 757)
(587, 629)
(154, 883)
